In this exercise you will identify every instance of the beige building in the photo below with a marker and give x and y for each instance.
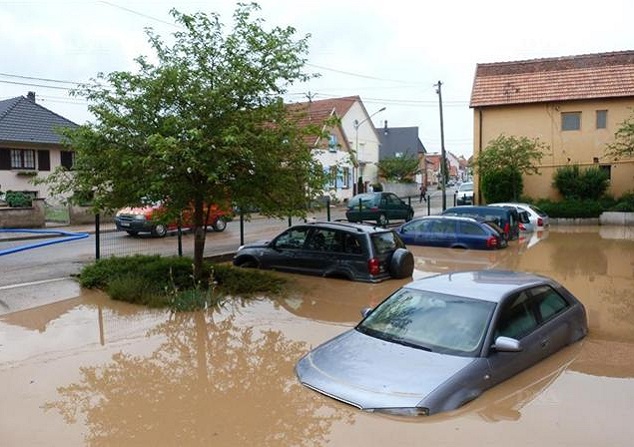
(572, 104)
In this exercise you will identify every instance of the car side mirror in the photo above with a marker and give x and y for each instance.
(366, 311)
(506, 344)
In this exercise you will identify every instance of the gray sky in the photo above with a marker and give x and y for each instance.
(390, 53)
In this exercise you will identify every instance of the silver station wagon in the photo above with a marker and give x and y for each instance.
(439, 342)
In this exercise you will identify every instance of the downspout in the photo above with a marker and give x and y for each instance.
(479, 151)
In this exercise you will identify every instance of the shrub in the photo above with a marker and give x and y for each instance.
(18, 199)
(571, 208)
(625, 203)
(157, 281)
(502, 185)
(572, 183)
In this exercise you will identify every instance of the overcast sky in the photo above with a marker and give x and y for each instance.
(390, 53)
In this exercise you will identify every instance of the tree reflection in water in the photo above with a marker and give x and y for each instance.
(208, 382)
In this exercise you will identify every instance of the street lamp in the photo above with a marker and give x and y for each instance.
(355, 161)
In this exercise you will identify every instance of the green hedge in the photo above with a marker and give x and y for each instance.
(157, 281)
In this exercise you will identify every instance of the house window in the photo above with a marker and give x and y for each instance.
(602, 119)
(332, 143)
(67, 159)
(332, 176)
(22, 159)
(608, 170)
(346, 178)
(571, 121)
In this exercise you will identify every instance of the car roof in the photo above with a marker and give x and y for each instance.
(475, 208)
(484, 285)
(448, 217)
(347, 226)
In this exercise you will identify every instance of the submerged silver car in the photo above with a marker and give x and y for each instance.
(439, 342)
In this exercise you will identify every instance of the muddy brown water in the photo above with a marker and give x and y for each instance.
(90, 371)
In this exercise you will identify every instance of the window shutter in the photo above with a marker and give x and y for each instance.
(67, 159)
(5, 159)
(43, 160)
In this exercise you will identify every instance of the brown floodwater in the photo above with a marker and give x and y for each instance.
(91, 371)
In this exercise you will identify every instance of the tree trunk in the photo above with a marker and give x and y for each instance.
(199, 238)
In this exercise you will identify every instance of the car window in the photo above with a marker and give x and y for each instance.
(386, 242)
(471, 228)
(517, 319)
(430, 320)
(394, 200)
(524, 218)
(443, 226)
(549, 302)
(321, 239)
(465, 187)
(352, 244)
(292, 238)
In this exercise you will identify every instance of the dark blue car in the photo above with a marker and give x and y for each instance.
(451, 231)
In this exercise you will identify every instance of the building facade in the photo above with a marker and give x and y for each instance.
(572, 104)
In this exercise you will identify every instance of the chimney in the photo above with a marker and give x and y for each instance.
(385, 128)
(30, 96)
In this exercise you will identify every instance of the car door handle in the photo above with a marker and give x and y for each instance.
(544, 342)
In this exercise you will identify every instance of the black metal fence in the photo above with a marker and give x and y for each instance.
(109, 242)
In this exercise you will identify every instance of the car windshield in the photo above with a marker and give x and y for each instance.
(431, 321)
(466, 187)
(538, 211)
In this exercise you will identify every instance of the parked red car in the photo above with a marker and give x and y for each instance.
(135, 220)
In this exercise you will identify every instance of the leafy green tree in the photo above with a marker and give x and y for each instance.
(203, 124)
(498, 185)
(623, 144)
(399, 169)
(514, 156)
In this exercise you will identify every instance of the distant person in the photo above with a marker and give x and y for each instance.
(423, 193)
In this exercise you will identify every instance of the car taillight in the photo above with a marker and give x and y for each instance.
(540, 222)
(507, 229)
(492, 242)
(374, 266)
(374, 208)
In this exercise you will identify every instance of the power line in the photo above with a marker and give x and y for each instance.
(358, 75)
(8, 75)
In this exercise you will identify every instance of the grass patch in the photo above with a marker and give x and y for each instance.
(156, 281)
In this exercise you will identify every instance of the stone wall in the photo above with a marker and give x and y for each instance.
(27, 217)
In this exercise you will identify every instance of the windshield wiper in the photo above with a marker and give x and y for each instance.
(391, 338)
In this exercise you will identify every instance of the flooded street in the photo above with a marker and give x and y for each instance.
(91, 371)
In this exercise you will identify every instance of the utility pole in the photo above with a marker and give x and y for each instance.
(443, 155)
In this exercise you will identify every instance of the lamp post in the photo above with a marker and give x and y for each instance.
(355, 161)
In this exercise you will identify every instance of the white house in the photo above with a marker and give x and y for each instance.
(353, 150)
(30, 144)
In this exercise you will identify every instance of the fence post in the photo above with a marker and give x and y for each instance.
(290, 221)
(328, 208)
(97, 237)
(429, 205)
(241, 228)
(180, 239)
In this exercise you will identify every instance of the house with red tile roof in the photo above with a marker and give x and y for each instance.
(350, 154)
(30, 144)
(574, 104)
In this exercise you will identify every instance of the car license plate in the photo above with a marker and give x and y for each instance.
(125, 224)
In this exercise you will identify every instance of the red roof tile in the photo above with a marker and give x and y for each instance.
(603, 75)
